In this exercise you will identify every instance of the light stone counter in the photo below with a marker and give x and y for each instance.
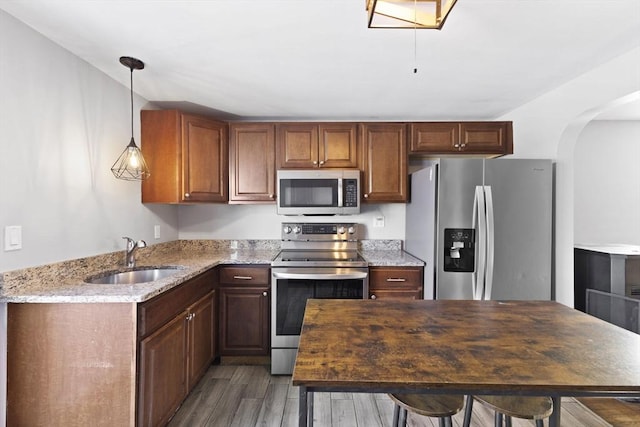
(387, 253)
(64, 282)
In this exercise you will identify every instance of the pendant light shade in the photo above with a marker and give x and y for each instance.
(413, 14)
(131, 166)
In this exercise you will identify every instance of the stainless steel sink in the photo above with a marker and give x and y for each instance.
(136, 275)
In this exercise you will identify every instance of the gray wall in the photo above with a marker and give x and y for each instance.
(62, 125)
(607, 183)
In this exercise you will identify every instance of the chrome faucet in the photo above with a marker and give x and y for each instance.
(129, 258)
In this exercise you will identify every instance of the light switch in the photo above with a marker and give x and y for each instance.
(156, 231)
(12, 237)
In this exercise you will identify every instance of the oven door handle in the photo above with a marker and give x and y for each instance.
(310, 274)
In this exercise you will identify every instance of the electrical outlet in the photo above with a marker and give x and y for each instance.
(156, 231)
(378, 221)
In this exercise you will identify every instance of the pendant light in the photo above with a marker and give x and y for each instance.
(131, 166)
(428, 14)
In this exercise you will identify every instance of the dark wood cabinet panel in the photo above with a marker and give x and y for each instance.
(395, 282)
(163, 377)
(187, 156)
(384, 162)
(338, 145)
(244, 321)
(178, 331)
(204, 160)
(297, 145)
(244, 310)
(312, 145)
(252, 166)
(488, 139)
(202, 342)
(438, 137)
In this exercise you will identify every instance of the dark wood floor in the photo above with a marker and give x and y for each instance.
(247, 396)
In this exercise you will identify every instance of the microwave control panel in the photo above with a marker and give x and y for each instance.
(351, 193)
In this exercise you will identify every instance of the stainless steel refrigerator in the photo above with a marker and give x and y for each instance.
(483, 228)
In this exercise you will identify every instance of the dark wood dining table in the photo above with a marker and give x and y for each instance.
(528, 348)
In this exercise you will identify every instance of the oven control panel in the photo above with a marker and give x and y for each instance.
(319, 231)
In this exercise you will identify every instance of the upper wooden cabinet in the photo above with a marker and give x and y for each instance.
(252, 169)
(491, 139)
(384, 160)
(312, 145)
(187, 157)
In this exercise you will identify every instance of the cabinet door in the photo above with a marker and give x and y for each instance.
(337, 146)
(202, 326)
(486, 137)
(163, 382)
(385, 162)
(204, 160)
(395, 282)
(297, 145)
(244, 321)
(252, 162)
(435, 137)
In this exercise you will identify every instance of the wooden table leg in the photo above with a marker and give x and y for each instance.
(554, 419)
(302, 407)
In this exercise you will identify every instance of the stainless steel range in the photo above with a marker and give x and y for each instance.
(317, 260)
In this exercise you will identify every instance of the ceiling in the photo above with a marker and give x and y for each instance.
(316, 59)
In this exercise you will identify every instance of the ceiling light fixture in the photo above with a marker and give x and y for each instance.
(420, 14)
(131, 166)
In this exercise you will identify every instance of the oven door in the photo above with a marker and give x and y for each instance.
(290, 289)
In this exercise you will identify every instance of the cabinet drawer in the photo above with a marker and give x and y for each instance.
(159, 310)
(394, 277)
(249, 276)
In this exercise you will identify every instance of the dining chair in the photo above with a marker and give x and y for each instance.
(436, 406)
(506, 407)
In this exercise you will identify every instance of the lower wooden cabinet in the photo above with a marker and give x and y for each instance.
(395, 282)
(177, 332)
(244, 311)
(163, 373)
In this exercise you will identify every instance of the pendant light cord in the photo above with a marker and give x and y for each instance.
(415, 36)
(131, 102)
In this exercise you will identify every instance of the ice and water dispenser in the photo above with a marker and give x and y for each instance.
(459, 250)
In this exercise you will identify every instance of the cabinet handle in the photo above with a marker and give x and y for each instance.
(315, 162)
(189, 317)
(264, 294)
(373, 296)
(243, 277)
(396, 279)
(456, 145)
(271, 196)
(187, 195)
(366, 196)
(321, 162)
(463, 145)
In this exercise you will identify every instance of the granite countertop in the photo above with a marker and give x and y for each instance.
(612, 248)
(63, 282)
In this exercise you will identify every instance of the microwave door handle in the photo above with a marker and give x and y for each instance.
(340, 196)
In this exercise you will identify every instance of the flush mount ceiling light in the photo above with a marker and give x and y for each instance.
(414, 14)
(131, 166)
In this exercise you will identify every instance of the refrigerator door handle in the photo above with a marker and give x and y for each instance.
(479, 223)
(490, 242)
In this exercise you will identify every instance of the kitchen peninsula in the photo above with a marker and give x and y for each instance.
(98, 345)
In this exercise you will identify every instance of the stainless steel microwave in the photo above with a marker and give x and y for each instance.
(318, 192)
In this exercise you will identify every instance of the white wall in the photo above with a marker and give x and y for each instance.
(62, 125)
(607, 183)
(549, 127)
(262, 222)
